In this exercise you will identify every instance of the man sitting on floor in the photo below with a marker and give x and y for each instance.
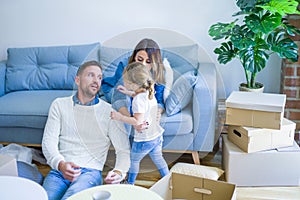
(77, 137)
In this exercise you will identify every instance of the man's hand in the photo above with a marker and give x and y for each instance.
(113, 177)
(69, 170)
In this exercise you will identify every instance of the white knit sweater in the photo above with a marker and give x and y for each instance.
(83, 134)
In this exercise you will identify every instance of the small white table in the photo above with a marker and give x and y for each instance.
(14, 187)
(118, 191)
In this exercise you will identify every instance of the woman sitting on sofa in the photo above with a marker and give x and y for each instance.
(148, 53)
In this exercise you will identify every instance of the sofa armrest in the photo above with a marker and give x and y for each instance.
(205, 108)
(2, 77)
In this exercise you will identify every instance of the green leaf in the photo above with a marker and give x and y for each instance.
(261, 44)
(290, 29)
(240, 13)
(284, 47)
(250, 5)
(283, 7)
(254, 58)
(245, 43)
(246, 4)
(242, 37)
(220, 30)
(226, 52)
(254, 61)
(265, 24)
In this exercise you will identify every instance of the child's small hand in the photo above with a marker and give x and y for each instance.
(115, 115)
(141, 127)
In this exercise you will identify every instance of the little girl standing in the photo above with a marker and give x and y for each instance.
(139, 84)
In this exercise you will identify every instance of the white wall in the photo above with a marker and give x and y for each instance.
(62, 22)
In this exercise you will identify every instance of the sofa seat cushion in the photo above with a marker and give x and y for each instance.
(28, 108)
(179, 142)
(178, 124)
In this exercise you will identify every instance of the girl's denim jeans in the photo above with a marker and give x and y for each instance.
(139, 150)
(59, 188)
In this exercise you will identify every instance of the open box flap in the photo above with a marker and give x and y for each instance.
(180, 186)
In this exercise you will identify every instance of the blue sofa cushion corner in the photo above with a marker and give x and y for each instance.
(45, 68)
(2, 77)
(181, 93)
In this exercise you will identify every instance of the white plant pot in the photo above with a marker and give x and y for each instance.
(260, 88)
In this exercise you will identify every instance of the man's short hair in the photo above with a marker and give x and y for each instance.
(87, 64)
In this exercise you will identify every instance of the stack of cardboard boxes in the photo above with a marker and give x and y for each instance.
(259, 149)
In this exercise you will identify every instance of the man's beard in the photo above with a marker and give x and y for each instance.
(90, 93)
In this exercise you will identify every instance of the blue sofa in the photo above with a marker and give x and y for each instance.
(31, 78)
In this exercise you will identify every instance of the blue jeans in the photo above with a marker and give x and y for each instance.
(139, 150)
(59, 188)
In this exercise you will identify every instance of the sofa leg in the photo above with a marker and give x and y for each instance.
(196, 159)
(195, 154)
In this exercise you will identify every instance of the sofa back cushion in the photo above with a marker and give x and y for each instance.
(45, 68)
(181, 58)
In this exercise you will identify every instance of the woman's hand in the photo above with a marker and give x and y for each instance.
(124, 90)
(159, 113)
(115, 115)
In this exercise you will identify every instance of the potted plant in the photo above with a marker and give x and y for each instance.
(264, 30)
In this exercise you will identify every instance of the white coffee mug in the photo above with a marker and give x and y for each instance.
(101, 195)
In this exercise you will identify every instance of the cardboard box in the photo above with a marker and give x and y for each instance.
(279, 167)
(260, 110)
(258, 139)
(179, 186)
(8, 166)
